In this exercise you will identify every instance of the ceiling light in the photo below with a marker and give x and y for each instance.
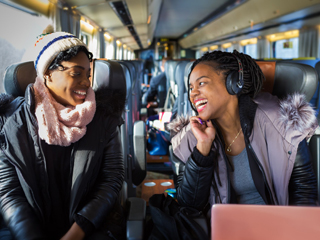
(226, 45)
(283, 35)
(107, 36)
(86, 25)
(248, 41)
(215, 47)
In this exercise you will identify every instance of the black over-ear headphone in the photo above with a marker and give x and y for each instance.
(234, 81)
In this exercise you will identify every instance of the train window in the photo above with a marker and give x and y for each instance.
(251, 50)
(203, 51)
(86, 33)
(227, 47)
(198, 54)
(84, 38)
(25, 25)
(285, 45)
(131, 55)
(110, 51)
(119, 50)
(125, 52)
(249, 46)
(286, 48)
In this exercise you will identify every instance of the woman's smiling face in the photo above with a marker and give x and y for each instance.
(69, 83)
(208, 91)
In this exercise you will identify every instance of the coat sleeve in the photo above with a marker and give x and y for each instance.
(194, 182)
(303, 183)
(15, 209)
(108, 184)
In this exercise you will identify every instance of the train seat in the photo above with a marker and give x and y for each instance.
(109, 75)
(187, 110)
(183, 107)
(283, 78)
(181, 90)
(317, 94)
(139, 74)
(135, 92)
(171, 88)
(315, 63)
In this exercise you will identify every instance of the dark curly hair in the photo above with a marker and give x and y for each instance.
(226, 62)
(67, 55)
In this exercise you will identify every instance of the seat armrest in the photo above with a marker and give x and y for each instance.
(136, 218)
(139, 147)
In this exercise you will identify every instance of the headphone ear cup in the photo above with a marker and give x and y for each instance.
(231, 83)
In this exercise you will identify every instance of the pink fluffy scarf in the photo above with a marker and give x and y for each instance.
(58, 124)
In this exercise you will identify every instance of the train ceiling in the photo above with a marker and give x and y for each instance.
(193, 22)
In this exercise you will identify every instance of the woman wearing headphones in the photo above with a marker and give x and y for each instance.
(243, 146)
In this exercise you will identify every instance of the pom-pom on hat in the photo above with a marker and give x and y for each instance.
(49, 45)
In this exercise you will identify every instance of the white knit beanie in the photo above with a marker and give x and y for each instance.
(48, 46)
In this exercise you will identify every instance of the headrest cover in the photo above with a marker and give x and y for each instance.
(48, 46)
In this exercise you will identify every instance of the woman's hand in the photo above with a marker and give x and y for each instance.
(74, 233)
(204, 133)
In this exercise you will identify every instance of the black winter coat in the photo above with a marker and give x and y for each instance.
(97, 168)
(197, 176)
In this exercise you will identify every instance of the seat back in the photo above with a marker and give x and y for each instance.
(181, 89)
(283, 78)
(170, 67)
(17, 77)
(102, 71)
(139, 75)
(187, 110)
(317, 97)
(136, 157)
(135, 92)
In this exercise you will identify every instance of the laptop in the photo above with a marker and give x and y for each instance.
(258, 222)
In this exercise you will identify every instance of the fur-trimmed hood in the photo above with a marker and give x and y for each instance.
(295, 113)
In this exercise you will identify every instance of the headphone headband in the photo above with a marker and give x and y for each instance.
(240, 82)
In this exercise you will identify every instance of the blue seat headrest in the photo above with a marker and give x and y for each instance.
(17, 77)
(109, 75)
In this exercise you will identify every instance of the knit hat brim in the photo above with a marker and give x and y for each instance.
(49, 46)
